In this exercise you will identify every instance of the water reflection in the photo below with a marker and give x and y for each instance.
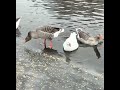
(73, 12)
(95, 1)
(32, 0)
(95, 48)
(67, 8)
(67, 55)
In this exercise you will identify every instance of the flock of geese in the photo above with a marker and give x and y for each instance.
(70, 44)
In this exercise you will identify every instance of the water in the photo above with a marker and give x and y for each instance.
(39, 69)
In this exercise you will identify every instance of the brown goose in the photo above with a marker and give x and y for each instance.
(45, 32)
(85, 38)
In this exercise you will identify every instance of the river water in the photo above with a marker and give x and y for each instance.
(54, 69)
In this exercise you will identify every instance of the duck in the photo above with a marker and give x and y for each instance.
(71, 43)
(46, 33)
(18, 22)
(85, 38)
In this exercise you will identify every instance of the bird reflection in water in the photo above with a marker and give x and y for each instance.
(95, 48)
(50, 51)
(67, 55)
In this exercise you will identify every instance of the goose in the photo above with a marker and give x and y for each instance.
(85, 38)
(45, 32)
(18, 22)
(71, 43)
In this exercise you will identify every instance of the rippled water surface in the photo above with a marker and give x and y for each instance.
(54, 69)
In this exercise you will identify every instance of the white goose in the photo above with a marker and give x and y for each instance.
(71, 43)
(18, 22)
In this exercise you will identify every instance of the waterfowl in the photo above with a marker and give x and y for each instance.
(85, 38)
(18, 22)
(71, 43)
(45, 32)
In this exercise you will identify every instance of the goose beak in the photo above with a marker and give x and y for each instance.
(27, 39)
(101, 37)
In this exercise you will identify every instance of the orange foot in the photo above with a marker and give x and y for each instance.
(51, 45)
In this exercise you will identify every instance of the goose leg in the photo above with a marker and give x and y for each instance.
(51, 45)
(44, 43)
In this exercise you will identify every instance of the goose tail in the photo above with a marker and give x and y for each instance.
(18, 22)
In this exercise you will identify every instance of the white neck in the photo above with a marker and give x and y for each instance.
(56, 34)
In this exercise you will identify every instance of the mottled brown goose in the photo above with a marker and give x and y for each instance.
(45, 32)
(85, 38)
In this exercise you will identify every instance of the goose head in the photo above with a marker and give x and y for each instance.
(58, 32)
(99, 37)
(31, 34)
(73, 35)
(78, 30)
(29, 37)
(61, 30)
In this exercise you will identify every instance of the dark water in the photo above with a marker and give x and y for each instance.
(39, 69)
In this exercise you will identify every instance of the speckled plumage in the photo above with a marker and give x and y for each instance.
(85, 38)
(45, 32)
(48, 29)
(83, 35)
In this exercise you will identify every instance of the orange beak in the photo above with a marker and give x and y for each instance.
(101, 37)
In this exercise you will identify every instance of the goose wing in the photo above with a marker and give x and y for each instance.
(48, 29)
(84, 35)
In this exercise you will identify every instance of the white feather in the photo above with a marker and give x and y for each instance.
(17, 23)
(58, 32)
(72, 40)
